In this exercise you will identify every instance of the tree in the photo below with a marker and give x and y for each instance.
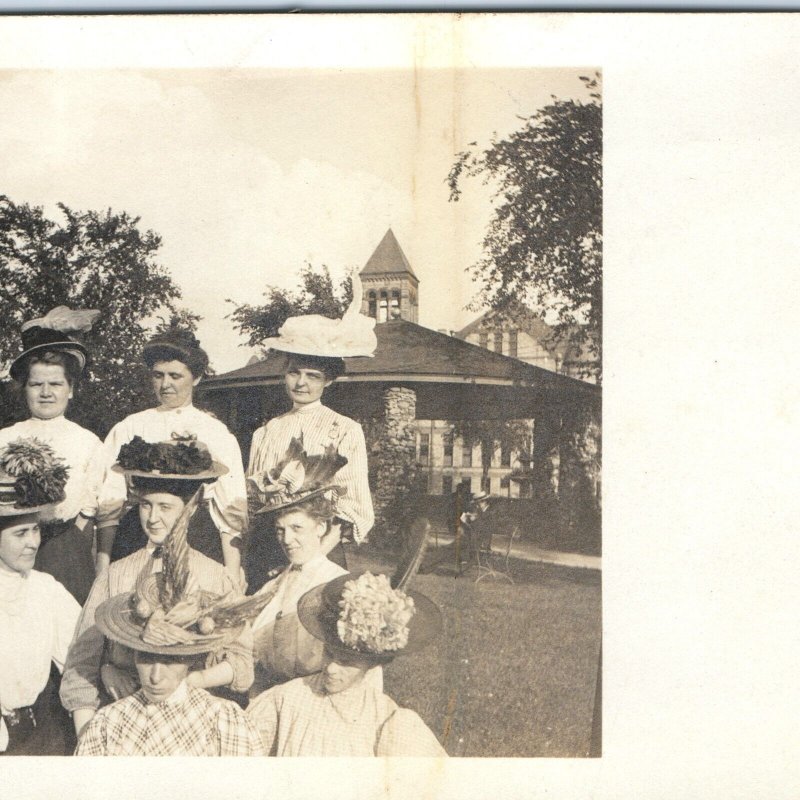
(316, 295)
(492, 435)
(544, 242)
(89, 259)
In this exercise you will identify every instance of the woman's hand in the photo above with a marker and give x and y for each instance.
(118, 683)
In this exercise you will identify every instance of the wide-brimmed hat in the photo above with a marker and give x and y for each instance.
(362, 616)
(168, 614)
(32, 477)
(181, 458)
(61, 329)
(314, 335)
(299, 476)
(480, 496)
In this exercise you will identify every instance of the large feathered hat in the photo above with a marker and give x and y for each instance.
(364, 616)
(297, 477)
(32, 478)
(314, 335)
(60, 329)
(168, 614)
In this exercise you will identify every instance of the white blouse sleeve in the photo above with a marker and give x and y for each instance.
(113, 491)
(65, 611)
(228, 495)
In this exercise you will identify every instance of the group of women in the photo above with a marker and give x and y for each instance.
(83, 521)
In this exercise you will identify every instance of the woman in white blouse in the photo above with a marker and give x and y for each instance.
(48, 371)
(315, 347)
(283, 648)
(177, 364)
(37, 617)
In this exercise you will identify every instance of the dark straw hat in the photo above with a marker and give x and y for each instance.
(320, 611)
(32, 478)
(181, 458)
(61, 329)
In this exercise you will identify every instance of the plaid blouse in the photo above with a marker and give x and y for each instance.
(189, 723)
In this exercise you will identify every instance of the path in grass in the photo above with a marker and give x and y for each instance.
(514, 673)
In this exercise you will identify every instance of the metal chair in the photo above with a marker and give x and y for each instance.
(489, 563)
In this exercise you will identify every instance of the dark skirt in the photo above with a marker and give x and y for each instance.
(203, 535)
(66, 554)
(53, 734)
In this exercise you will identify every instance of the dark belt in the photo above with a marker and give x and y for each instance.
(20, 716)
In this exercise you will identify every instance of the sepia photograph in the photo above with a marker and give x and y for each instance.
(242, 306)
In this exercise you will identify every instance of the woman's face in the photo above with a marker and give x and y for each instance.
(47, 391)
(158, 513)
(304, 385)
(300, 536)
(173, 383)
(19, 541)
(339, 674)
(160, 675)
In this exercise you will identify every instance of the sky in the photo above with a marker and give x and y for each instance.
(249, 174)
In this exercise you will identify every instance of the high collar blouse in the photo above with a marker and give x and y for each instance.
(81, 451)
(227, 495)
(37, 621)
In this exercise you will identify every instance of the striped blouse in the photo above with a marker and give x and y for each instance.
(320, 427)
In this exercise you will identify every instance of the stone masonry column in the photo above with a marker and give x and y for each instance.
(396, 473)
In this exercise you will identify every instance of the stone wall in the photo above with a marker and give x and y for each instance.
(393, 453)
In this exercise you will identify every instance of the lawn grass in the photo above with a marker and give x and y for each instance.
(514, 673)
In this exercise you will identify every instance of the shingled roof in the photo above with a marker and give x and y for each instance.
(409, 353)
(387, 258)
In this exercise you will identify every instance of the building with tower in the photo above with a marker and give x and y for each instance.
(390, 285)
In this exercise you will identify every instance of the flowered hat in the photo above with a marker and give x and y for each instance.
(314, 335)
(181, 458)
(60, 329)
(167, 614)
(297, 477)
(364, 616)
(32, 478)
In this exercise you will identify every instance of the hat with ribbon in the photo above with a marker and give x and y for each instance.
(297, 477)
(314, 335)
(168, 614)
(181, 458)
(32, 477)
(363, 616)
(60, 329)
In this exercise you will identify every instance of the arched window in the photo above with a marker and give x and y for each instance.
(373, 304)
(394, 309)
(383, 308)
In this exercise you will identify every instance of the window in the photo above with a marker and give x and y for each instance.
(498, 341)
(447, 461)
(484, 339)
(466, 456)
(486, 485)
(505, 482)
(373, 305)
(394, 310)
(467, 484)
(512, 343)
(424, 446)
(505, 457)
(447, 484)
(383, 308)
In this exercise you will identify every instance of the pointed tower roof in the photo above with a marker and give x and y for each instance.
(388, 258)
